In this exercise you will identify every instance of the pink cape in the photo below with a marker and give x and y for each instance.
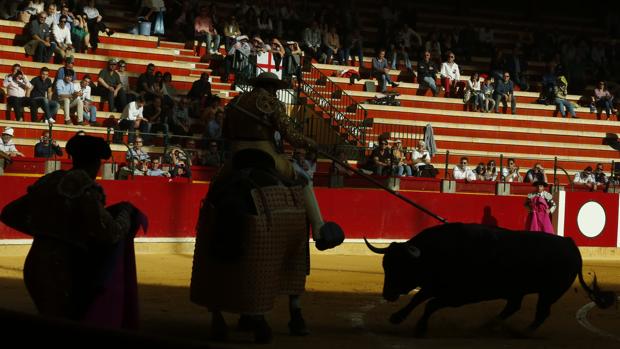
(539, 219)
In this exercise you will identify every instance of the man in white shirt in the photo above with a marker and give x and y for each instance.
(450, 75)
(461, 171)
(61, 33)
(586, 178)
(7, 147)
(132, 119)
(68, 98)
(90, 111)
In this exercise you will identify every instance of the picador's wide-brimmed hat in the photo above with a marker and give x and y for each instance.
(268, 78)
(85, 148)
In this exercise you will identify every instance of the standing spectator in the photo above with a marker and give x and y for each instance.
(110, 87)
(461, 171)
(41, 97)
(132, 119)
(45, 148)
(157, 8)
(90, 111)
(427, 72)
(69, 98)
(504, 92)
(603, 100)
(450, 75)
(488, 90)
(541, 205)
(7, 147)
(586, 179)
(204, 31)
(381, 71)
(40, 45)
(561, 98)
(17, 90)
(62, 38)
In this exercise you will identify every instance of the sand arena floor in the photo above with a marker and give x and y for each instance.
(344, 309)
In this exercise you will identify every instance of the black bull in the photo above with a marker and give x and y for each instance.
(456, 264)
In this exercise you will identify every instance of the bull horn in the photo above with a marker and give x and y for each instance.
(375, 249)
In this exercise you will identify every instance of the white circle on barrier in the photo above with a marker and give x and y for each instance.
(591, 219)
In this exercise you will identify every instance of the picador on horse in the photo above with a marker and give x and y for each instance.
(252, 232)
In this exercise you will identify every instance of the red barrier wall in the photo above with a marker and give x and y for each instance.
(172, 208)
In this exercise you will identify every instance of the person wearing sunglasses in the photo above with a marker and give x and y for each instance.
(62, 37)
(462, 171)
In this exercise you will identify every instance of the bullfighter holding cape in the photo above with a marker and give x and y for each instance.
(81, 265)
(252, 233)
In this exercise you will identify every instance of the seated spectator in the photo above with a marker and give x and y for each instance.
(90, 111)
(130, 93)
(17, 90)
(61, 34)
(535, 174)
(155, 170)
(155, 14)
(41, 97)
(381, 71)
(504, 92)
(179, 121)
(301, 165)
(473, 96)
(488, 90)
(40, 44)
(586, 179)
(450, 75)
(7, 147)
(200, 91)
(146, 83)
(603, 100)
(490, 173)
(214, 125)
(171, 95)
(380, 159)
(136, 151)
(204, 31)
(157, 117)
(79, 33)
(599, 175)
(461, 171)
(132, 119)
(421, 158)
(403, 43)
(133, 167)
(561, 98)
(331, 47)
(338, 169)
(354, 49)
(291, 61)
(181, 170)
(46, 149)
(69, 98)
(68, 65)
(427, 71)
(400, 167)
(212, 156)
(95, 23)
(511, 173)
(480, 171)
(110, 87)
(312, 40)
(231, 31)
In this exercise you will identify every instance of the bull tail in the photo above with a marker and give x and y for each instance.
(602, 299)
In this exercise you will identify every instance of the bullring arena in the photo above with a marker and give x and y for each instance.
(556, 72)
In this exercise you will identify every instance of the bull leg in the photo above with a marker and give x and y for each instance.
(416, 300)
(543, 309)
(512, 306)
(432, 306)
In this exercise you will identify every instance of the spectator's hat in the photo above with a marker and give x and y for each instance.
(543, 183)
(268, 78)
(242, 37)
(113, 61)
(8, 131)
(85, 148)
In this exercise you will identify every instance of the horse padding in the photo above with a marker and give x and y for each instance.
(275, 262)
